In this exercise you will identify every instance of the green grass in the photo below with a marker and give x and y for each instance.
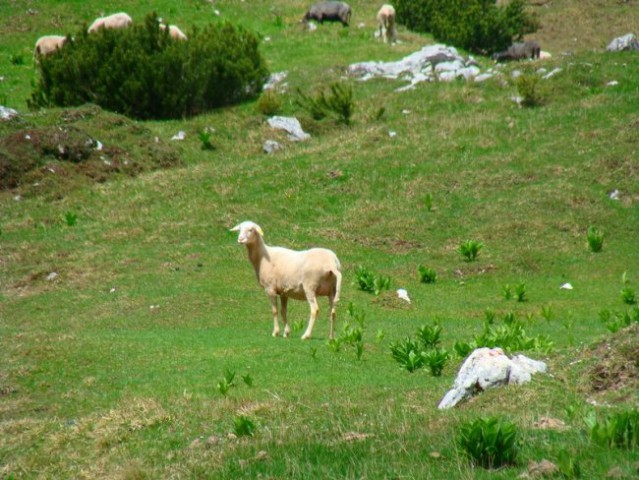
(110, 370)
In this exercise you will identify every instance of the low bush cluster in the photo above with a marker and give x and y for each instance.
(143, 73)
(476, 25)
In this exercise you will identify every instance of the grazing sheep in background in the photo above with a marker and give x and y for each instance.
(386, 22)
(300, 275)
(175, 32)
(48, 44)
(329, 11)
(117, 20)
(519, 51)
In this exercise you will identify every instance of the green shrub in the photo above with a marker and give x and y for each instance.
(270, 103)
(477, 25)
(338, 103)
(490, 442)
(527, 88)
(143, 73)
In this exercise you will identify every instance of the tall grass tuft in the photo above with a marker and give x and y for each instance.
(595, 239)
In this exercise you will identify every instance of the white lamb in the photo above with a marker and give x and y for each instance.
(117, 20)
(386, 22)
(48, 44)
(300, 275)
(175, 32)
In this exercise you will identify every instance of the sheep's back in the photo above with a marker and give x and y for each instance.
(290, 270)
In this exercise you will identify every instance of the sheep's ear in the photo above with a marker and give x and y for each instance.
(236, 228)
(259, 230)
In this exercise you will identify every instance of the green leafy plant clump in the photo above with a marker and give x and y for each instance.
(619, 429)
(490, 442)
(511, 336)
(470, 249)
(370, 282)
(412, 355)
(426, 274)
(134, 71)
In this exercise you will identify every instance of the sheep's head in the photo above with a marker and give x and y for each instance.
(248, 232)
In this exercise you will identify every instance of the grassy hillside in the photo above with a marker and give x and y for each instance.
(124, 303)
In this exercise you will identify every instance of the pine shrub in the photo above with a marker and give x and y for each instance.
(143, 73)
(476, 25)
(338, 103)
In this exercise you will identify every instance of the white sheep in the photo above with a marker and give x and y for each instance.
(386, 23)
(300, 275)
(48, 44)
(174, 32)
(117, 20)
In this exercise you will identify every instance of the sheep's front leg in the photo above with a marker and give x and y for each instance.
(276, 325)
(312, 301)
(287, 328)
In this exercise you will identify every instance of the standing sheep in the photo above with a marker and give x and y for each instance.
(386, 23)
(329, 11)
(117, 20)
(301, 275)
(48, 44)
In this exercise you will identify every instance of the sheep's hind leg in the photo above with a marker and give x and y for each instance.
(287, 328)
(312, 301)
(276, 325)
(331, 301)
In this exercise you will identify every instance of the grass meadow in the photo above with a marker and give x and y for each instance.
(126, 306)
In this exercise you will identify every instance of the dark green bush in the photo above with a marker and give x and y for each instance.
(143, 73)
(476, 25)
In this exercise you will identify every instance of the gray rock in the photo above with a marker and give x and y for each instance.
(430, 63)
(552, 73)
(290, 125)
(7, 113)
(276, 81)
(271, 146)
(488, 368)
(626, 42)
(482, 77)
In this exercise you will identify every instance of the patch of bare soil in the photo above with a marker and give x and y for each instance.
(616, 362)
(81, 146)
